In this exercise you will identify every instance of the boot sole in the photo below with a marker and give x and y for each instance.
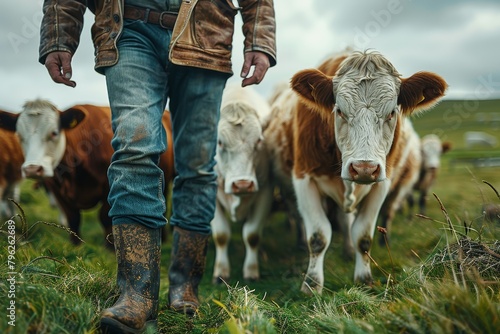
(112, 326)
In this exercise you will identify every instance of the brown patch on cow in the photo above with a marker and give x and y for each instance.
(317, 243)
(253, 240)
(396, 150)
(364, 244)
(11, 160)
(221, 239)
(315, 149)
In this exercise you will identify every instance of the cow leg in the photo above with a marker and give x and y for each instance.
(318, 232)
(345, 221)
(221, 233)
(74, 218)
(363, 229)
(422, 202)
(252, 233)
(387, 214)
(411, 203)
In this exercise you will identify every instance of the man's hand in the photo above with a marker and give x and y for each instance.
(58, 64)
(260, 61)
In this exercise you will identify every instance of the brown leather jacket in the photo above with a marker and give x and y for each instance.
(206, 45)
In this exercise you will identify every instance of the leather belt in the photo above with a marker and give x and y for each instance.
(163, 19)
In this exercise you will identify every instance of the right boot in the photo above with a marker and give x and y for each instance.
(138, 252)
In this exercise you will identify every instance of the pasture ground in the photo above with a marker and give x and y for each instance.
(423, 284)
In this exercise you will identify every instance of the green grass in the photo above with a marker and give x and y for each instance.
(433, 287)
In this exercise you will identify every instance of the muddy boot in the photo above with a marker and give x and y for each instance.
(138, 278)
(189, 252)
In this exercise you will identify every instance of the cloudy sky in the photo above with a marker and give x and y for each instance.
(457, 39)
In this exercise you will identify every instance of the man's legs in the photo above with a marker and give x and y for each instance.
(137, 95)
(195, 97)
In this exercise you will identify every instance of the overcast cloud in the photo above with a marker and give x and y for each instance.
(457, 39)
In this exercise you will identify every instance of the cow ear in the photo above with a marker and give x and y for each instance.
(72, 117)
(445, 147)
(8, 120)
(420, 92)
(315, 89)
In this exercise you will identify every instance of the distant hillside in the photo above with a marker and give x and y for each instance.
(451, 119)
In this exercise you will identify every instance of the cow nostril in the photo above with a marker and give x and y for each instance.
(33, 171)
(242, 186)
(352, 170)
(364, 169)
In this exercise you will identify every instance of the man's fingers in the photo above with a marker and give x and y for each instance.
(260, 63)
(58, 65)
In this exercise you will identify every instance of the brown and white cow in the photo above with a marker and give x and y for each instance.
(11, 159)
(244, 193)
(432, 149)
(70, 151)
(341, 139)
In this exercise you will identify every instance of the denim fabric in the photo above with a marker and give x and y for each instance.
(139, 86)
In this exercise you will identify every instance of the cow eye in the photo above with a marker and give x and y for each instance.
(340, 113)
(219, 142)
(391, 115)
(54, 134)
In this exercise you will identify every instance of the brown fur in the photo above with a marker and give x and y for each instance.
(11, 159)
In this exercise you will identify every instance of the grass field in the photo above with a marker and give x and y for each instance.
(444, 278)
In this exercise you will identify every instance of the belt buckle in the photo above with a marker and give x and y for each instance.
(161, 19)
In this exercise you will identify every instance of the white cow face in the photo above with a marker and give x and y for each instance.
(240, 141)
(366, 113)
(40, 127)
(367, 96)
(432, 150)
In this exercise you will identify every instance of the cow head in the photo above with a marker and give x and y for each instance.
(240, 141)
(40, 127)
(366, 96)
(432, 149)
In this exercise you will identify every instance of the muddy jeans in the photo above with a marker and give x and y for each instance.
(139, 86)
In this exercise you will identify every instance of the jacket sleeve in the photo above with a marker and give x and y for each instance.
(62, 24)
(259, 27)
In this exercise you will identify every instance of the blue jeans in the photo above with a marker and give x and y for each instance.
(139, 86)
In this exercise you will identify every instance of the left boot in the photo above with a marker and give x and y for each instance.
(189, 252)
(138, 251)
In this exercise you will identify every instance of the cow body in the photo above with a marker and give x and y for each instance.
(11, 159)
(341, 139)
(244, 193)
(70, 152)
(432, 148)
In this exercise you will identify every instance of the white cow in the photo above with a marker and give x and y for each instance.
(244, 193)
(432, 149)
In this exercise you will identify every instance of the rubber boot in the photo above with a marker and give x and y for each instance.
(189, 252)
(138, 255)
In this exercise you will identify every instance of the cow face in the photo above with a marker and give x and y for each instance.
(432, 150)
(366, 96)
(240, 141)
(40, 127)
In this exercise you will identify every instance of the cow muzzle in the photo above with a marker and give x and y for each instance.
(240, 187)
(33, 171)
(365, 171)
